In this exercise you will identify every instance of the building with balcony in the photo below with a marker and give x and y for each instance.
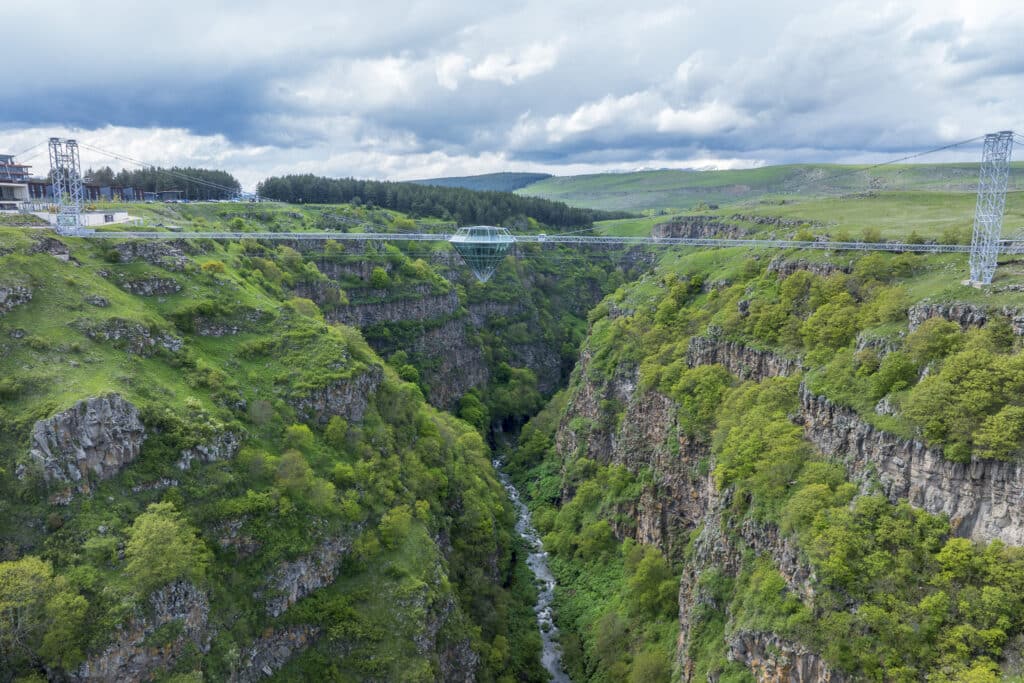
(13, 183)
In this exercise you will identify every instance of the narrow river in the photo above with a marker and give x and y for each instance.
(551, 657)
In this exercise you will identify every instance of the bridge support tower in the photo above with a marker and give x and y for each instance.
(66, 176)
(988, 215)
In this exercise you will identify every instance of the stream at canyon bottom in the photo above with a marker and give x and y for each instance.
(551, 657)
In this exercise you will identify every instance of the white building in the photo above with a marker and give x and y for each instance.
(13, 183)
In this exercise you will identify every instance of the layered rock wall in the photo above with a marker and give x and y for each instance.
(984, 499)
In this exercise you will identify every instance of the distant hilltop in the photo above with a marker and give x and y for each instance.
(494, 182)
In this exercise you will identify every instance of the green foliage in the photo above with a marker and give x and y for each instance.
(39, 613)
(972, 386)
(652, 589)
(162, 547)
(379, 278)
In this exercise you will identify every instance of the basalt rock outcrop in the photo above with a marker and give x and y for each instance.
(460, 363)
(984, 499)
(129, 335)
(13, 295)
(739, 359)
(967, 316)
(775, 660)
(347, 398)
(223, 447)
(646, 436)
(296, 579)
(169, 255)
(151, 286)
(132, 658)
(423, 305)
(271, 651)
(698, 227)
(787, 266)
(95, 438)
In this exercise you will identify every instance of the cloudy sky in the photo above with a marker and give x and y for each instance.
(402, 90)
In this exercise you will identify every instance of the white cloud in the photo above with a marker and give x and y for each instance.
(706, 119)
(510, 68)
(450, 69)
(399, 89)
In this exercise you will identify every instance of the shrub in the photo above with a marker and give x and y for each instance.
(379, 278)
(162, 547)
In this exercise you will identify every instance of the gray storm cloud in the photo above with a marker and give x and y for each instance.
(403, 90)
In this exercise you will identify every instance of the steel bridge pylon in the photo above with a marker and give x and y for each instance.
(66, 176)
(988, 216)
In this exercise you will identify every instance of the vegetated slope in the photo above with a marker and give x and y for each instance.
(466, 207)
(678, 189)
(495, 182)
(200, 474)
(783, 467)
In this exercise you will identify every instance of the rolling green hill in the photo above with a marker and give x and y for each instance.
(495, 182)
(678, 189)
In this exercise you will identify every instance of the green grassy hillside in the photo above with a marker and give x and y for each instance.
(214, 345)
(676, 189)
(497, 182)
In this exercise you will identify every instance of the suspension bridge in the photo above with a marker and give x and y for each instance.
(484, 247)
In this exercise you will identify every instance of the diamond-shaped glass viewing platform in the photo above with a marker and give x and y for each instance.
(482, 247)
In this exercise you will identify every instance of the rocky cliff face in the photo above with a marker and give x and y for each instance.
(646, 436)
(740, 360)
(685, 498)
(272, 650)
(422, 305)
(774, 660)
(698, 226)
(224, 447)
(347, 398)
(984, 499)
(294, 580)
(787, 266)
(460, 364)
(95, 438)
(966, 315)
(132, 657)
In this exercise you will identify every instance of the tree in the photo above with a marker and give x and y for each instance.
(379, 278)
(39, 613)
(163, 547)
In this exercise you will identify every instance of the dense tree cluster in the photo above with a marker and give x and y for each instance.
(196, 183)
(450, 203)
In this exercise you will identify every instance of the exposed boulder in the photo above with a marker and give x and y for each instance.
(129, 335)
(223, 447)
(151, 286)
(51, 246)
(13, 295)
(97, 437)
